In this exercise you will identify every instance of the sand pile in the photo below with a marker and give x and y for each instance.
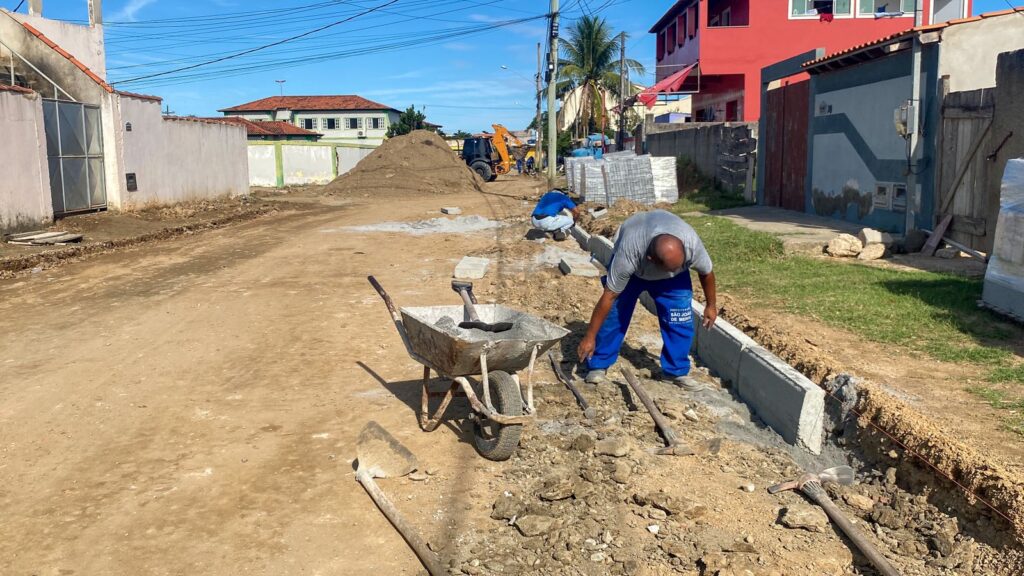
(417, 163)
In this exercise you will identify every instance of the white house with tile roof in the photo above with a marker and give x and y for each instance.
(342, 119)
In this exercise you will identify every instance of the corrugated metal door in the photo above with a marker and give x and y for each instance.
(74, 147)
(786, 119)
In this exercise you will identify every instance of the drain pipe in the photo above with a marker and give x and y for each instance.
(916, 109)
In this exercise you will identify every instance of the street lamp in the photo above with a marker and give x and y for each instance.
(280, 83)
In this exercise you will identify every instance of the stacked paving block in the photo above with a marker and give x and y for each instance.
(666, 183)
(592, 182)
(629, 179)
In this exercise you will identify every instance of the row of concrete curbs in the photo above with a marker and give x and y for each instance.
(786, 400)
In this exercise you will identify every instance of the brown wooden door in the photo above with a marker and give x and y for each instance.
(786, 123)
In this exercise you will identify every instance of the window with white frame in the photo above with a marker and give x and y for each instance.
(870, 7)
(377, 123)
(354, 123)
(332, 123)
(815, 8)
(308, 123)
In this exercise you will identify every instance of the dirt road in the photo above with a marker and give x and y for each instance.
(191, 407)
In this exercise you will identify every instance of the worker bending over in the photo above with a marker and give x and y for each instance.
(548, 216)
(654, 253)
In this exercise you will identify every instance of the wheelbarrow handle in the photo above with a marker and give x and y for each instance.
(397, 318)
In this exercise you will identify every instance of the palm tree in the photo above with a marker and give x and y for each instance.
(590, 62)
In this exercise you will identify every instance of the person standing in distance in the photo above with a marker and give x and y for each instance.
(654, 253)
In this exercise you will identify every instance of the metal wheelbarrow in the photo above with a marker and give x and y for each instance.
(432, 337)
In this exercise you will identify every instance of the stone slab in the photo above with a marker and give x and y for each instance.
(601, 248)
(578, 267)
(581, 236)
(471, 268)
(451, 211)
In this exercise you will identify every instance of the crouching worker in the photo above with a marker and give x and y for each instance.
(654, 253)
(548, 217)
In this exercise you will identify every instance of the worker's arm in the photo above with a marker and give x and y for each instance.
(707, 283)
(589, 342)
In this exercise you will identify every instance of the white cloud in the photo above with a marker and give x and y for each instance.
(129, 11)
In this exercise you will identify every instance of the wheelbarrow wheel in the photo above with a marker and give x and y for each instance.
(496, 441)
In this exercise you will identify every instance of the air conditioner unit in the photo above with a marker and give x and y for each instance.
(362, 134)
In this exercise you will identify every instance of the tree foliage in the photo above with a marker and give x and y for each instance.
(411, 119)
(589, 62)
(461, 135)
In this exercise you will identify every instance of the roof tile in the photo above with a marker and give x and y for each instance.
(309, 103)
(53, 45)
(265, 128)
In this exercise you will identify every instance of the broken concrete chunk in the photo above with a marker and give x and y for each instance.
(507, 507)
(872, 252)
(947, 253)
(615, 447)
(471, 268)
(559, 490)
(622, 472)
(534, 525)
(871, 236)
(802, 517)
(598, 213)
(451, 211)
(844, 246)
(858, 502)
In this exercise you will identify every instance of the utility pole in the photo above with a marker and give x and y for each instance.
(620, 143)
(914, 116)
(537, 159)
(552, 85)
(280, 84)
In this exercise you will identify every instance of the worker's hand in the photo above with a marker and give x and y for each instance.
(586, 348)
(710, 315)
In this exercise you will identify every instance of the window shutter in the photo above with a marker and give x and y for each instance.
(681, 29)
(661, 45)
(670, 41)
(691, 21)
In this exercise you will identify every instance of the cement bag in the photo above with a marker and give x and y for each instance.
(666, 184)
(1004, 279)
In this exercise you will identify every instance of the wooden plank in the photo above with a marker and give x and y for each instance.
(968, 114)
(968, 160)
(970, 225)
(933, 241)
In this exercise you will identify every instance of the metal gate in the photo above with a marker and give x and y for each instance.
(74, 148)
(786, 145)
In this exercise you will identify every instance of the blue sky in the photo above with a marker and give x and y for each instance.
(437, 54)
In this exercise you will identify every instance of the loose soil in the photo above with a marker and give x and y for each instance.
(191, 406)
(414, 164)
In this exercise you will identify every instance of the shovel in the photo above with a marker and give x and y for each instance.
(465, 289)
(588, 412)
(811, 486)
(673, 446)
(381, 456)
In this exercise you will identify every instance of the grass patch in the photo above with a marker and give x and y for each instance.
(1000, 400)
(698, 193)
(935, 314)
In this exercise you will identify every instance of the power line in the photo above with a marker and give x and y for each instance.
(265, 46)
(18, 7)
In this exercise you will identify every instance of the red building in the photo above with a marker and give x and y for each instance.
(725, 43)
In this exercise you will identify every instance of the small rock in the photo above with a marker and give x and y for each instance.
(615, 447)
(740, 546)
(947, 253)
(534, 525)
(654, 529)
(748, 488)
(418, 476)
(890, 477)
(803, 517)
(657, 514)
(691, 416)
(868, 236)
(507, 507)
(942, 543)
(597, 557)
(872, 252)
(583, 443)
(560, 490)
(451, 211)
(622, 472)
(858, 502)
(844, 246)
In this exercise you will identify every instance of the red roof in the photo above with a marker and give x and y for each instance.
(85, 69)
(309, 103)
(266, 128)
(910, 32)
(140, 96)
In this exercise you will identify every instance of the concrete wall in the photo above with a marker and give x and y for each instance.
(349, 157)
(262, 166)
(968, 51)
(25, 184)
(177, 160)
(308, 164)
(714, 147)
(298, 163)
(84, 42)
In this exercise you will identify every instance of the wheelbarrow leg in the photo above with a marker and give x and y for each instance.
(429, 422)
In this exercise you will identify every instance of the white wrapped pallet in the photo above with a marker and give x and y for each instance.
(666, 184)
(625, 154)
(1004, 279)
(629, 179)
(592, 187)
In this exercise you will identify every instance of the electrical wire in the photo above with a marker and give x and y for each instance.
(18, 7)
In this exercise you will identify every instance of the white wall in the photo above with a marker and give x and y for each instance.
(968, 51)
(25, 200)
(262, 166)
(85, 43)
(349, 157)
(176, 160)
(307, 164)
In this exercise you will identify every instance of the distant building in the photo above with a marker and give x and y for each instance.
(338, 119)
(718, 47)
(275, 130)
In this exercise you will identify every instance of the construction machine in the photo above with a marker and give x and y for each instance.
(493, 155)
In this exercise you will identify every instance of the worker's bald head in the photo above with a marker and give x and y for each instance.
(667, 252)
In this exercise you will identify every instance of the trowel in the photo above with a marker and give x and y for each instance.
(465, 289)
(380, 455)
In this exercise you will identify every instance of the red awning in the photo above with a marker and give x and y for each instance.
(669, 85)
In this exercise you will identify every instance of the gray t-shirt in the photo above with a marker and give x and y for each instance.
(636, 234)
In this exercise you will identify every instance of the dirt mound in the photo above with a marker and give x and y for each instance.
(417, 163)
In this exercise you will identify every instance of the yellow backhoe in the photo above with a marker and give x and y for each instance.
(496, 154)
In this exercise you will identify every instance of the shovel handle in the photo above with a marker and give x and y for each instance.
(815, 492)
(430, 560)
(659, 420)
(560, 374)
(468, 302)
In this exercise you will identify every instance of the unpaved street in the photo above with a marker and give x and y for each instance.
(191, 407)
